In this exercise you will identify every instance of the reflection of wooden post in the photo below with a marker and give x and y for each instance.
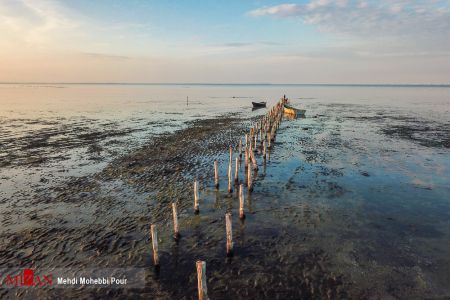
(196, 207)
(236, 172)
(230, 167)
(176, 231)
(154, 244)
(229, 234)
(241, 202)
(249, 180)
(216, 174)
(240, 147)
(201, 279)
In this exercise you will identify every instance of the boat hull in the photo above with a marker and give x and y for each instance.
(258, 104)
(293, 111)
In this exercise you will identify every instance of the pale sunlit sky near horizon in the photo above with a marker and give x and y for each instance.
(311, 41)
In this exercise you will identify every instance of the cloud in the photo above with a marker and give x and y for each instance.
(282, 10)
(26, 23)
(368, 18)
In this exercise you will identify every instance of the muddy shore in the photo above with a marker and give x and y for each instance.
(298, 240)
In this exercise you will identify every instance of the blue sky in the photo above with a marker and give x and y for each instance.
(311, 41)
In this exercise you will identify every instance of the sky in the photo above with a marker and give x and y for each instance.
(309, 41)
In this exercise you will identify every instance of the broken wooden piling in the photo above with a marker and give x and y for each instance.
(176, 231)
(201, 279)
(230, 166)
(249, 180)
(236, 172)
(254, 162)
(154, 245)
(264, 150)
(241, 202)
(246, 158)
(196, 197)
(229, 233)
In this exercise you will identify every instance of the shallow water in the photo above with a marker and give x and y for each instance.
(354, 202)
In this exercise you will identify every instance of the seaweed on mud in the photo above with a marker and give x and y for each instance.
(426, 134)
(158, 166)
(35, 147)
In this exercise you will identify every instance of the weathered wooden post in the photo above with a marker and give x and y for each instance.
(154, 245)
(176, 231)
(246, 141)
(264, 150)
(229, 232)
(236, 172)
(196, 197)
(246, 158)
(201, 279)
(255, 164)
(241, 202)
(249, 180)
(230, 167)
(216, 174)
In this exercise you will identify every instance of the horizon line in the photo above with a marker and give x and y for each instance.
(227, 83)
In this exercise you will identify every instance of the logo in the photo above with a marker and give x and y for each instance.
(27, 278)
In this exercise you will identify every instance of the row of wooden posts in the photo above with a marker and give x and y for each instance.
(263, 131)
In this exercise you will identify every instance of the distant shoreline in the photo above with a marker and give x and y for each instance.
(230, 84)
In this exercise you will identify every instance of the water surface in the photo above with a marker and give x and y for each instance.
(355, 195)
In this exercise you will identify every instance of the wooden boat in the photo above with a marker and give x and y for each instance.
(293, 111)
(258, 104)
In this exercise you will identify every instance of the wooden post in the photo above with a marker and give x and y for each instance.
(264, 150)
(176, 231)
(246, 141)
(216, 174)
(201, 279)
(229, 232)
(255, 164)
(154, 244)
(236, 172)
(246, 158)
(249, 180)
(241, 202)
(255, 147)
(230, 175)
(196, 196)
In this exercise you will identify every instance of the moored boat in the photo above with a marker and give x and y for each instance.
(293, 111)
(258, 104)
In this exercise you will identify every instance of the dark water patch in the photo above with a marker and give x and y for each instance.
(424, 133)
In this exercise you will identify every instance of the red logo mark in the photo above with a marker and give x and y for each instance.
(28, 278)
